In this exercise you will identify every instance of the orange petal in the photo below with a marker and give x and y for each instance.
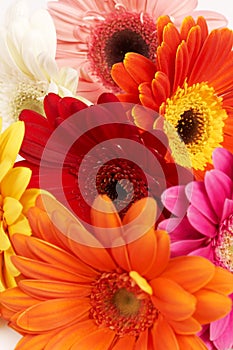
(35, 342)
(142, 341)
(146, 96)
(182, 269)
(193, 45)
(16, 300)
(211, 306)
(46, 289)
(101, 339)
(39, 270)
(181, 65)
(201, 22)
(139, 67)
(123, 79)
(190, 342)
(143, 212)
(187, 24)
(147, 246)
(161, 23)
(67, 337)
(105, 221)
(163, 336)
(126, 342)
(52, 314)
(121, 256)
(172, 300)
(162, 254)
(222, 281)
(160, 87)
(188, 326)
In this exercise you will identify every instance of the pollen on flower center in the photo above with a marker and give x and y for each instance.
(20, 93)
(194, 121)
(123, 182)
(224, 244)
(118, 34)
(119, 304)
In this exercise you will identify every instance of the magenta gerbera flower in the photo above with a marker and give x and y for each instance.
(203, 225)
(78, 152)
(93, 34)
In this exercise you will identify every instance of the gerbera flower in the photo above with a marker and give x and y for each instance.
(14, 201)
(191, 89)
(28, 69)
(80, 151)
(84, 296)
(207, 229)
(93, 35)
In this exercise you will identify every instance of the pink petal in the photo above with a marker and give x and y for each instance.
(186, 246)
(225, 340)
(223, 161)
(175, 200)
(200, 222)
(227, 209)
(196, 193)
(206, 252)
(218, 187)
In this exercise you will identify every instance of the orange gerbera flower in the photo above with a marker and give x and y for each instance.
(191, 86)
(129, 295)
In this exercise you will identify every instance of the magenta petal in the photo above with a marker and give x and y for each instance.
(175, 200)
(218, 327)
(227, 209)
(219, 187)
(225, 340)
(200, 222)
(207, 252)
(196, 193)
(223, 161)
(186, 247)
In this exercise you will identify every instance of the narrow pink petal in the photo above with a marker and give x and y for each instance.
(200, 222)
(219, 187)
(223, 161)
(197, 195)
(175, 200)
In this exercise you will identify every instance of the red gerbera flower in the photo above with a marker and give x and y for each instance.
(96, 150)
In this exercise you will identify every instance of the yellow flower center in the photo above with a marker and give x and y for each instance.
(194, 121)
(117, 302)
(28, 95)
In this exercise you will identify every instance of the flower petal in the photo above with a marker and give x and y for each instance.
(163, 336)
(43, 316)
(101, 339)
(172, 300)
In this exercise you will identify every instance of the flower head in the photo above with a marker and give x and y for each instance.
(28, 67)
(190, 86)
(81, 151)
(15, 200)
(93, 35)
(207, 229)
(112, 298)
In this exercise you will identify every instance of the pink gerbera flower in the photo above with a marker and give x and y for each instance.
(204, 226)
(93, 35)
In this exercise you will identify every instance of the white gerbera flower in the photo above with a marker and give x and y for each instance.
(28, 70)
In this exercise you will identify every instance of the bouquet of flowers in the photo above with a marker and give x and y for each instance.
(116, 181)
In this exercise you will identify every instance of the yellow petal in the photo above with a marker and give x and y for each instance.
(15, 182)
(12, 209)
(4, 240)
(20, 226)
(10, 267)
(11, 140)
(5, 166)
(29, 197)
(141, 282)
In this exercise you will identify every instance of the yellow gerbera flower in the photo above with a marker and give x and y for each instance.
(14, 200)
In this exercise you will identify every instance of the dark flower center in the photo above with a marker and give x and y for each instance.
(119, 304)
(122, 42)
(224, 244)
(119, 33)
(189, 125)
(123, 182)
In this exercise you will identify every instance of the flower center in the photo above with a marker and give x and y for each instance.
(118, 34)
(194, 121)
(224, 244)
(123, 182)
(119, 304)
